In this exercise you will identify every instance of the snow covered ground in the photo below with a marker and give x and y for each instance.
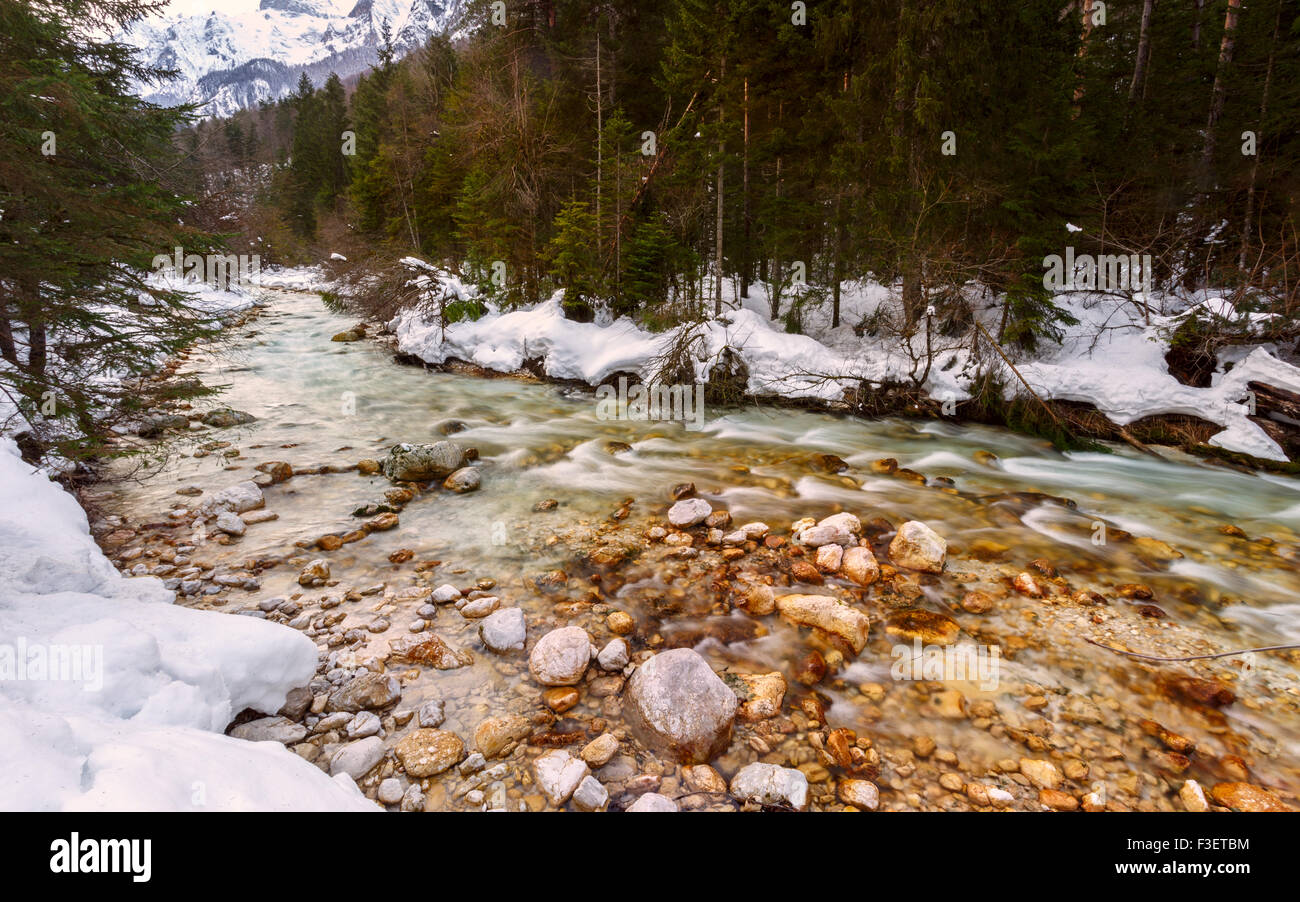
(1113, 358)
(114, 698)
(111, 696)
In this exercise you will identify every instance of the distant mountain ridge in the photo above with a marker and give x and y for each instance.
(232, 61)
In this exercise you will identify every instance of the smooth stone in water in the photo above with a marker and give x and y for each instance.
(689, 512)
(356, 759)
(558, 774)
(560, 658)
(918, 547)
(769, 784)
(677, 704)
(504, 630)
(652, 801)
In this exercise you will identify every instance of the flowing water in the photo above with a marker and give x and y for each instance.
(322, 402)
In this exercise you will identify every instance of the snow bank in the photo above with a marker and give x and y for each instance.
(133, 717)
(777, 362)
(1116, 362)
(1113, 358)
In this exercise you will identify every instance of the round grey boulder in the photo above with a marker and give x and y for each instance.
(421, 462)
(560, 658)
(676, 704)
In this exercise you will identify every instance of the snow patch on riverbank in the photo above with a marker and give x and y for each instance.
(138, 725)
(1113, 358)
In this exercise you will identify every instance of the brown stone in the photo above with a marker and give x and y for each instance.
(495, 735)
(431, 652)
(424, 753)
(1246, 797)
(928, 626)
(561, 698)
(1057, 800)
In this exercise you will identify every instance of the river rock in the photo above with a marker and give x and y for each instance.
(762, 694)
(497, 734)
(424, 752)
(391, 791)
(598, 752)
(432, 713)
(366, 692)
(768, 784)
(421, 462)
(429, 650)
(918, 547)
(318, 569)
(157, 424)
(231, 524)
(558, 774)
(479, 607)
(859, 565)
(614, 656)
(829, 558)
(1042, 774)
(224, 417)
(839, 529)
(296, 703)
(278, 470)
(828, 615)
(504, 631)
(590, 795)
(363, 724)
(1193, 797)
(929, 627)
(466, 479)
(862, 794)
(445, 593)
(689, 512)
(676, 703)
(560, 658)
(652, 801)
(238, 498)
(270, 729)
(356, 759)
(1246, 797)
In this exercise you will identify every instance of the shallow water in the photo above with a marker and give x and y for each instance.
(319, 402)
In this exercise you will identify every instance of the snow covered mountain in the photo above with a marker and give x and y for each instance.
(249, 51)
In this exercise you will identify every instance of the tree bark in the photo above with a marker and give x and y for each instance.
(1218, 92)
(717, 244)
(1144, 48)
(747, 263)
(1248, 219)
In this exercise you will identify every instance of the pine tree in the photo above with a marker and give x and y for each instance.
(84, 186)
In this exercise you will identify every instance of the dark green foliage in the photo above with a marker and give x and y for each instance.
(89, 200)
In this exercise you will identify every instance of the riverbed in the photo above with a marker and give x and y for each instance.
(1180, 557)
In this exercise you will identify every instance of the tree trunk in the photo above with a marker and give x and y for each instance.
(600, 132)
(1217, 94)
(1144, 48)
(8, 349)
(746, 263)
(1248, 219)
(717, 241)
(1083, 51)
